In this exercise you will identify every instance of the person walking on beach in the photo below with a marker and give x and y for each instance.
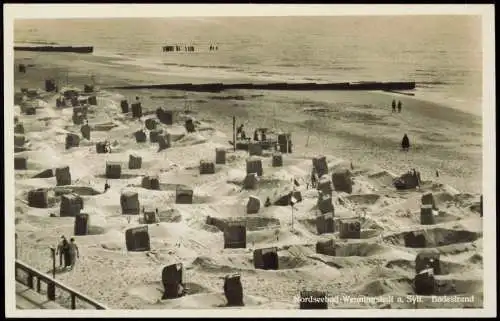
(73, 253)
(405, 143)
(394, 105)
(65, 251)
(256, 135)
(400, 105)
(59, 250)
(157, 217)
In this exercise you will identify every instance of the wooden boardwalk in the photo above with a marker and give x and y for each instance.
(28, 299)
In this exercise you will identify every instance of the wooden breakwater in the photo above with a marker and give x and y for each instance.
(218, 87)
(79, 49)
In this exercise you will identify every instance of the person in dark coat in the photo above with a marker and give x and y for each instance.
(256, 135)
(73, 253)
(400, 105)
(66, 253)
(106, 186)
(405, 143)
(59, 250)
(393, 105)
(239, 131)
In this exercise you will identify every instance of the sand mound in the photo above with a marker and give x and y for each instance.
(107, 126)
(170, 216)
(309, 224)
(96, 230)
(381, 287)
(113, 240)
(223, 264)
(476, 259)
(191, 139)
(446, 267)
(363, 199)
(444, 197)
(252, 223)
(80, 190)
(292, 262)
(434, 237)
(407, 265)
(207, 301)
(458, 286)
(152, 293)
(384, 178)
(359, 249)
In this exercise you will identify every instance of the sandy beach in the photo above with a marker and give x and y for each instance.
(347, 128)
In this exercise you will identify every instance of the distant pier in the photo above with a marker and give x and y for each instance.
(218, 87)
(78, 49)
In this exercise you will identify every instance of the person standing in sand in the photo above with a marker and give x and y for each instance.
(394, 105)
(405, 143)
(66, 253)
(59, 250)
(256, 135)
(106, 186)
(239, 131)
(400, 105)
(73, 253)
(157, 217)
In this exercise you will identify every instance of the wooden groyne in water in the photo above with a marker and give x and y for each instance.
(80, 49)
(218, 87)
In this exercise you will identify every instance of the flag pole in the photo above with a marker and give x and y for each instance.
(234, 133)
(292, 198)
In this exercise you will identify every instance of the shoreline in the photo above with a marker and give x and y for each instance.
(116, 62)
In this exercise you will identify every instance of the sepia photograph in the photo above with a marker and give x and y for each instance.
(249, 160)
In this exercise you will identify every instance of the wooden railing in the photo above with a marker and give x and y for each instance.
(52, 284)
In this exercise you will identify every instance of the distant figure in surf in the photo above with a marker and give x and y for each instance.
(352, 166)
(400, 105)
(393, 105)
(405, 143)
(437, 173)
(268, 202)
(106, 186)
